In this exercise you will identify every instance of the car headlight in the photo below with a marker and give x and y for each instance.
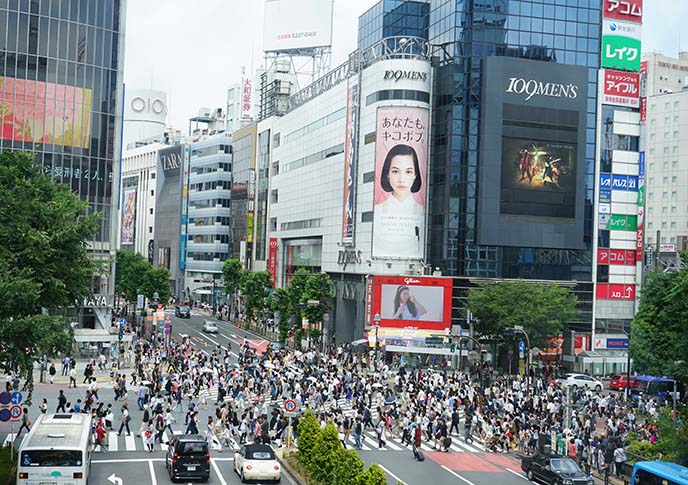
(568, 482)
(591, 482)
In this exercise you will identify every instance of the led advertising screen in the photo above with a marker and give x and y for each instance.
(42, 112)
(128, 216)
(401, 154)
(411, 308)
(531, 171)
(538, 178)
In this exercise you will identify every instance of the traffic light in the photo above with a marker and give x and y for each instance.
(452, 349)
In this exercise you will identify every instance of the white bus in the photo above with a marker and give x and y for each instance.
(57, 451)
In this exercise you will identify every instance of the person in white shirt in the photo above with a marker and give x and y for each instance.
(399, 220)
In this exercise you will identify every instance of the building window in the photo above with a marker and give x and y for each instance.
(273, 196)
(664, 210)
(150, 229)
(673, 225)
(273, 224)
(152, 175)
(663, 227)
(665, 195)
(673, 194)
(403, 94)
(151, 211)
(275, 168)
(650, 210)
(676, 104)
(367, 216)
(152, 193)
(665, 180)
(674, 164)
(368, 177)
(369, 138)
(674, 179)
(673, 209)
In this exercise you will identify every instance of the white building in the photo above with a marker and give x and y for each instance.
(145, 115)
(666, 150)
(305, 223)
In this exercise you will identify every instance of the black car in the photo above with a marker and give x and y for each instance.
(182, 311)
(554, 470)
(188, 458)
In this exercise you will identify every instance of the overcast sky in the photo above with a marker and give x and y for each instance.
(194, 50)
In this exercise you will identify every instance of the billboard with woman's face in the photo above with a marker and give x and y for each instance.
(401, 154)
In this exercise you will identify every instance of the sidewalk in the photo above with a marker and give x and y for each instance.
(80, 366)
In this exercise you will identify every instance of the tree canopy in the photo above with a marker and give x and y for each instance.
(542, 309)
(231, 271)
(133, 273)
(659, 341)
(44, 262)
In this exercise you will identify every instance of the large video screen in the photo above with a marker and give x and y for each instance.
(41, 112)
(538, 178)
(412, 302)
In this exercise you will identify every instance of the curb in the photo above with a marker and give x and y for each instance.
(288, 473)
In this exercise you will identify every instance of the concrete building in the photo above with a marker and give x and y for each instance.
(145, 115)
(666, 151)
(207, 233)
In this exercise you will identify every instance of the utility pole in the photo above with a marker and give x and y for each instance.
(377, 319)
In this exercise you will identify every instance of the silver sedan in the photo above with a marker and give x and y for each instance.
(209, 327)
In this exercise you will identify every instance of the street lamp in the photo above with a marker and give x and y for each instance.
(677, 363)
(519, 329)
(377, 319)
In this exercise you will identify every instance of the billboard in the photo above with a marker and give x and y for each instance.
(297, 24)
(621, 45)
(350, 156)
(625, 10)
(401, 155)
(246, 96)
(621, 88)
(128, 216)
(538, 178)
(46, 113)
(531, 190)
(272, 260)
(168, 208)
(411, 308)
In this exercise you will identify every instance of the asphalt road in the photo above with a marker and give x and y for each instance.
(127, 460)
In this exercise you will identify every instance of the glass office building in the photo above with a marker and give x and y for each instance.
(551, 31)
(390, 18)
(60, 70)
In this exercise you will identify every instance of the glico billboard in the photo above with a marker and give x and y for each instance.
(410, 308)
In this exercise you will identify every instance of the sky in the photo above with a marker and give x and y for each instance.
(194, 51)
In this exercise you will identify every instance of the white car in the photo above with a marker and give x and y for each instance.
(257, 462)
(582, 381)
(209, 327)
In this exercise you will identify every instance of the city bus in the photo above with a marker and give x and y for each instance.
(57, 450)
(659, 473)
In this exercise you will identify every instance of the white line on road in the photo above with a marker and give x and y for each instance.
(206, 337)
(154, 481)
(217, 470)
(130, 441)
(391, 474)
(458, 476)
(128, 460)
(519, 475)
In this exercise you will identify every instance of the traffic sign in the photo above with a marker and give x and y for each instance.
(15, 412)
(122, 322)
(5, 398)
(290, 405)
(167, 330)
(521, 346)
(5, 415)
(168, 318)
(162, 323)
(17, 397)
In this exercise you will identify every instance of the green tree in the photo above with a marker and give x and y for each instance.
(308, 430)
(659, 342)
(44, 263)
(318, 287)
(280, 303)
(129, 274)
(373, 475)
(255, 287)
(672, 439)
(542, 309)
(347, 467)
(157, 280)
(323, 460)
(231, 272)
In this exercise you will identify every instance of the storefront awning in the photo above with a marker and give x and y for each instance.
(98, 335)
(609, 356)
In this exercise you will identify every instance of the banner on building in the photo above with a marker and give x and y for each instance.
(624, 10)
(128, 216)
(621, 45)
(401, 155)
(621, 88)
(350, 161)
(272, 260)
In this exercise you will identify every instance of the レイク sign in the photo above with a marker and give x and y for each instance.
(628, 10)
(621, 88)
(532, 87)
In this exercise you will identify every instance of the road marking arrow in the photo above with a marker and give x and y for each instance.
(116, 480)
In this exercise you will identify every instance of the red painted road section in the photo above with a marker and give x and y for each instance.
(464, 462)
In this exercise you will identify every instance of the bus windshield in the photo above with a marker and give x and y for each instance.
(51, 458)
(659, 473)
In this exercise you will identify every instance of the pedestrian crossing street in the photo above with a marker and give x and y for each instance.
(368, 443)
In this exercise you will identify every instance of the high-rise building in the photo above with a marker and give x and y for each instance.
(393, 18)
(60, 78)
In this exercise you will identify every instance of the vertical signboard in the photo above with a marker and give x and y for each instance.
(246, 96)
(350, 160)
(641, 209)
(624, 10)
(621, 45)
(272, 260)
(186, 161)
(643, 91)
(621, 88)
(128, 216)
(401, 155)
